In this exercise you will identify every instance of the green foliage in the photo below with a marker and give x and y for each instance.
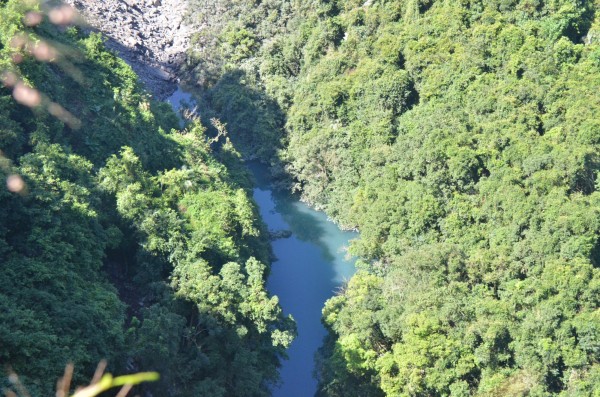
(123, 238)
(199, 222)
(460, 139)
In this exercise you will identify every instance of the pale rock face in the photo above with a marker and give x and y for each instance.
(151, 35)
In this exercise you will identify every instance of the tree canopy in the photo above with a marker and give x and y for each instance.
(121, 236)
(460, 138)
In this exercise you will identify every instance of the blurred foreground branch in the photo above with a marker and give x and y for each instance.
(100, 383)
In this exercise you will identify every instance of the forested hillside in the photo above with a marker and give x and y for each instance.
(122, 237)
(461, 138)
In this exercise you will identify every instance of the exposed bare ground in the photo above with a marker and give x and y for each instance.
(150, 35)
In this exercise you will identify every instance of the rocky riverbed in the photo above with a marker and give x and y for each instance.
(150, 35)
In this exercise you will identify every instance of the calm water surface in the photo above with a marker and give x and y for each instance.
(310, 266)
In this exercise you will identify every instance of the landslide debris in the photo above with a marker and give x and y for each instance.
(150, 35)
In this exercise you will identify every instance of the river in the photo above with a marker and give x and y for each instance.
(311, 265)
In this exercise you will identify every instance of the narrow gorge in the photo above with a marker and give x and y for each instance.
(310, 251)
(461, 138)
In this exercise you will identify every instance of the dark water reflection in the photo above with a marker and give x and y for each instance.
(310, 266)
(181, 99)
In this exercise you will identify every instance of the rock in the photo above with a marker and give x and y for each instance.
(277, 234)
(143, 32)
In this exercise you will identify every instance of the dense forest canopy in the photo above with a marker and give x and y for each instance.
(461, 138)
(122, 237)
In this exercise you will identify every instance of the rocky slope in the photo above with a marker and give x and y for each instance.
(150, 35)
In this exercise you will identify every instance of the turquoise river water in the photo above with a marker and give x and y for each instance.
(311, 264)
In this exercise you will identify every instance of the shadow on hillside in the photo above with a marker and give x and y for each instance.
(254, 120)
